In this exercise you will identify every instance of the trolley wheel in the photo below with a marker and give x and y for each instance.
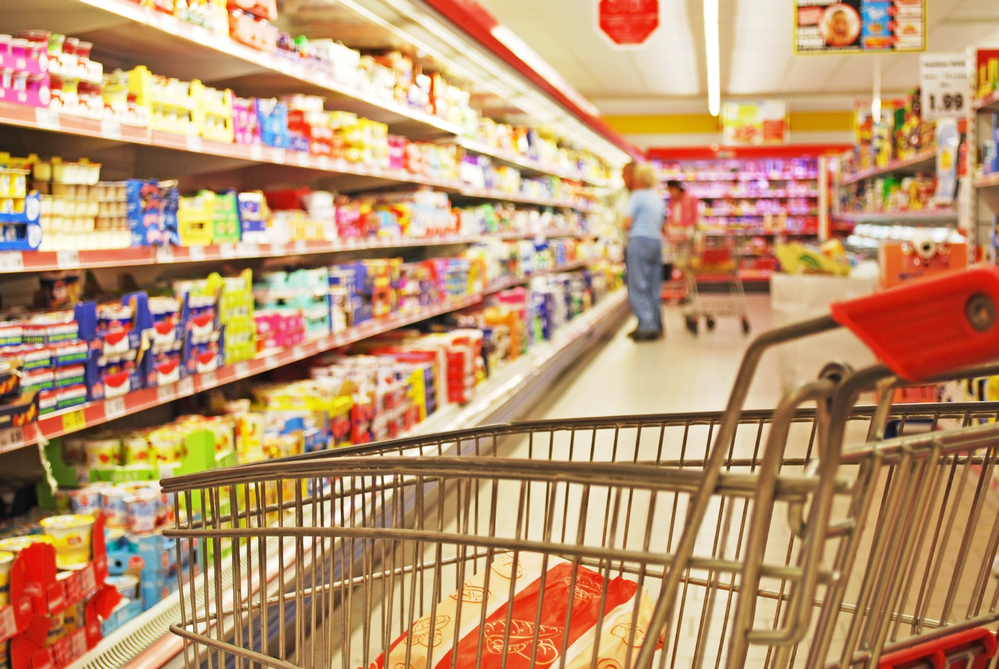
(745, 325)
(692, 324)
(709, 322)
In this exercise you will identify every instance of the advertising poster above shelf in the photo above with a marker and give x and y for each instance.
(856, 26)
(754, 123)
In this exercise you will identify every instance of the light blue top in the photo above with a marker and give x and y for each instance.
(647, 211)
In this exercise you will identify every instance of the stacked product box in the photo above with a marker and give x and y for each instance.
(20, 210)
(286, 299)
(25, 65)
(219, 327)
(43, 354)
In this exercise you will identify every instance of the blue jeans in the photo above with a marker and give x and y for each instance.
(645, 279)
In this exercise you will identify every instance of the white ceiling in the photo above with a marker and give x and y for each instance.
(666, 75)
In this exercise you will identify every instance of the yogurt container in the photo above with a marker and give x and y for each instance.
(72, 535)
(126, 585)
(74, 451)
(87, 501)
(6, 561)
(103, 452)
(19, 543)
(115, 508)
(142, 508)
(167, 444)
(135, 450)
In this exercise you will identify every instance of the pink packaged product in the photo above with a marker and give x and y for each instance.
(24, 76)
(397, 152)
(244, 121)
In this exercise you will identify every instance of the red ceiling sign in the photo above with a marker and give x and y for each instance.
(628, 23)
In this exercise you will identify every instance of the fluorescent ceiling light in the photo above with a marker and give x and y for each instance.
(711, 48)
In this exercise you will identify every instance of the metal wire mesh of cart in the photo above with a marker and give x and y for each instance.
(369, 580)
(805, 539)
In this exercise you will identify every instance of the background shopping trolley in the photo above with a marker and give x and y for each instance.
(797, 537)
(714, 261)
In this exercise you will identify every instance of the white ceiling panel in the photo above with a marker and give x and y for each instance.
(757, 52)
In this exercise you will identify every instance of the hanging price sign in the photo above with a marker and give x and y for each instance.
(943, 81)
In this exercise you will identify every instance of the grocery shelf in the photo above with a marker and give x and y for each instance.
(919, 162)
(146, 641)
(760, 233)
(525, 165)
(987, 180)
(100, 412)
(775, 195)
(44, 119)
(503, 196)
(46, 261)
(177, 48)
(510, 282)
(907, 217)
(988, 103)
(741, 176)
(23, 116)
(734, 214)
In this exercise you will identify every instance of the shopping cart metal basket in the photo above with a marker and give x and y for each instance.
(714, 261)
(793, 537)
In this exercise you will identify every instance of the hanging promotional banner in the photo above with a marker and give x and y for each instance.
(859, 26)
(943, 82)
(754, 123)
(627, 23)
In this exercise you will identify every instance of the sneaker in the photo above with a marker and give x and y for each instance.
(646, 336)
(631, 335)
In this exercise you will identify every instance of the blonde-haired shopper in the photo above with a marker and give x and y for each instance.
(644, 223)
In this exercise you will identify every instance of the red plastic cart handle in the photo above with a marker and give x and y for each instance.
(978, 644)
(929, 327)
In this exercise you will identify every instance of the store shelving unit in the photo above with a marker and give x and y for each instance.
(932, 217)
(771, 193)
(100, 412)
(983, 196)
(924, 161)
(904, 223)
(125, 34)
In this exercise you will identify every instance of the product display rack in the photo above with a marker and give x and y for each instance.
(746, 195)
(144, 256)
(921, 162)
(100, 412)
(857, 228)
(37, 118)
(983, 182)
(933, 216)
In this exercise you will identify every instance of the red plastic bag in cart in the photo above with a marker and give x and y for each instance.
(617, 633)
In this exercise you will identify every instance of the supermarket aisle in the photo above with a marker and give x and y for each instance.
(679, 374)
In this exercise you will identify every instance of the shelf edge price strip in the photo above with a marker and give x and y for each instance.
(11, 439)
(74, 420)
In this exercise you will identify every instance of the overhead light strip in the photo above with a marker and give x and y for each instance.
(711, 48)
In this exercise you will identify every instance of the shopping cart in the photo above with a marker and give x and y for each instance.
(714, 261)
(677, 278)
(793, 537)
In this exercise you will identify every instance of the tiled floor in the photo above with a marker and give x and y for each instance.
(681, 373)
